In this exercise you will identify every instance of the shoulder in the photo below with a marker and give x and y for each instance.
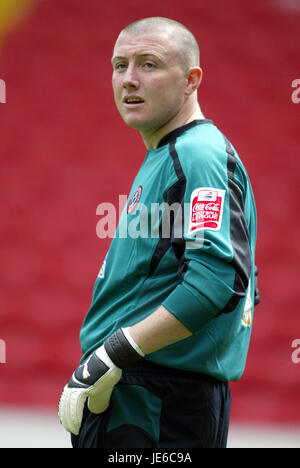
(202, 146)
(205, 149)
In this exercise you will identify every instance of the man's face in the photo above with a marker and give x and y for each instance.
(148, 80)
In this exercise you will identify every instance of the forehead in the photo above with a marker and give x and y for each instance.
(159, 44)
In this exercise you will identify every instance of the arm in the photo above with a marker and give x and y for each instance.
(96, 377)
(158, 330)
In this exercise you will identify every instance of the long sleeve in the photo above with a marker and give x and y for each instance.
(216, 260)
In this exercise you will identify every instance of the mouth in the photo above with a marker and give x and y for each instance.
(132, 101)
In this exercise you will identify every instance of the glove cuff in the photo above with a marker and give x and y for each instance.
(122, 349)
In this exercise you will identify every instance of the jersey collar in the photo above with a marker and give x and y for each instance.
(180, 130)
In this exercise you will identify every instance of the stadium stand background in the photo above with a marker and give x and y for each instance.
(64, 150)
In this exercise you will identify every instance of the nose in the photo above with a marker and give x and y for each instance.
(130, 78)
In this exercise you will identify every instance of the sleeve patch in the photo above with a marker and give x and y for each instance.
(206, 209)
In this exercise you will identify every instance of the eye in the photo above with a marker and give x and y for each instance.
(120, 66)
(149, 65)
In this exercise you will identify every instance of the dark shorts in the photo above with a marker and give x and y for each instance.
(159, 407)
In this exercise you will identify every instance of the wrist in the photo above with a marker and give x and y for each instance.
(122, 349)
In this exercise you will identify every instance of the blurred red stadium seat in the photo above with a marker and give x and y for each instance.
(64, 150)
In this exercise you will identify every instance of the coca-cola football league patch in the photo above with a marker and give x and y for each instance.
(206, 209)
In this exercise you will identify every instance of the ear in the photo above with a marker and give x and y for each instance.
(194, 78)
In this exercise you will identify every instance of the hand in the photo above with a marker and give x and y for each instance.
(95, 379)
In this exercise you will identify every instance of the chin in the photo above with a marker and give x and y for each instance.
(133, 124)
(136, 124)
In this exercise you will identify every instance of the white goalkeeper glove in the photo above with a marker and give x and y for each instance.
(95, 379)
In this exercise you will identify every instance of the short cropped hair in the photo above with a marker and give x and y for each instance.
(186, 43)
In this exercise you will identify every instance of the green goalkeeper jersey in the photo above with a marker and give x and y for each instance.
(185, 240)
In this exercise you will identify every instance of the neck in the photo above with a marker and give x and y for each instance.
(152, 138)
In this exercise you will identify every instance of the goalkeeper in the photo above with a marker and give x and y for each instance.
(171, 315)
